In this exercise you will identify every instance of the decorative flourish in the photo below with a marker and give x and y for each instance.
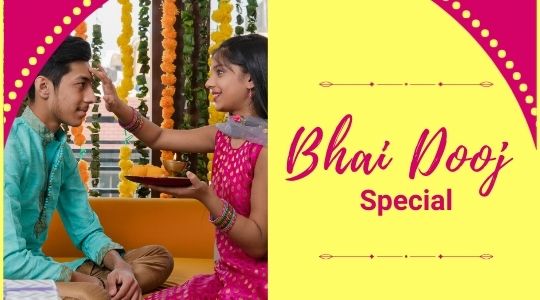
(251, 16)
(143, 59)
(373, 84)
(125, 187)
(327, 256)
(126, 50)
(95, 164)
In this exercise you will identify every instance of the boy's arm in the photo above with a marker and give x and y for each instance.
(81, 222)
(19, 262)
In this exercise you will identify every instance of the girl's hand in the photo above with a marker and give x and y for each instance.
(112, 102)
(198, 189)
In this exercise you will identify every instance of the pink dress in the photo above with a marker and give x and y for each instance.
(237, 275)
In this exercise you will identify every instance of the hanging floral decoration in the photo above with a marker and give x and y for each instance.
(251, 10)
(143, 59)
(79, 139)
(126, 85)
(126, 188)
(168, 79)
(80, 31)
(222, 16)
(95, 164)
(201, 75)
(83, 171)
(239, 28)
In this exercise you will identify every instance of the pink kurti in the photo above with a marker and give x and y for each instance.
(237, 275)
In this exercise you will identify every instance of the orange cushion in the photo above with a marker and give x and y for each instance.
(180, 225)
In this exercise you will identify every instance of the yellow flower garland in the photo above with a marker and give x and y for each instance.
(125, 187)
(221, 15)
(126, 84)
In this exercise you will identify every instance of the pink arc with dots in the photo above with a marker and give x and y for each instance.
(507, 33)
(32, 31)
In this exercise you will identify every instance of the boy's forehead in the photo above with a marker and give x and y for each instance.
(79, 69)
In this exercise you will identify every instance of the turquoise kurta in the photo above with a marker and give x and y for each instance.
(41, 175)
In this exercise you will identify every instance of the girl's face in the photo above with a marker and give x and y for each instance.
(230, 87)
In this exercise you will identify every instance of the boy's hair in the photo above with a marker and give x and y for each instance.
(250, 52)
(72, 49)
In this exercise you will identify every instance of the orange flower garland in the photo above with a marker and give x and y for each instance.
(83, 170)
(168, 79)
(79, 139)
(80, 31)
(223, 17)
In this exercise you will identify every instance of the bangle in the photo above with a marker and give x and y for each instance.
(224, 211)
(226, 220)
(136, 123)
(132, 121)
(231, 222)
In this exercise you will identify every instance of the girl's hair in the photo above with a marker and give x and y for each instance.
(250, 52)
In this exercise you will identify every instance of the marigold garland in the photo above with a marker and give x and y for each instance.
(79, 139)
(83, 171)
(123, 40)
(80, 31)
(125, 187)
(168, 79)
(222, 15)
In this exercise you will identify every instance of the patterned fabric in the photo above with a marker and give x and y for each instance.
(40, 176)
(237, 275)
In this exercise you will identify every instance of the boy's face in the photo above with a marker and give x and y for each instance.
(70, 101)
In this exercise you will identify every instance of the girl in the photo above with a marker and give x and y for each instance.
(237, 199)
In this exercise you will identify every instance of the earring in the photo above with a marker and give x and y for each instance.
(250, 95)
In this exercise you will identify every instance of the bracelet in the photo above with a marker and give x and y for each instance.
(132, 121)
(224, 211)
(227, 219)
(136, 123)
(230, 224)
